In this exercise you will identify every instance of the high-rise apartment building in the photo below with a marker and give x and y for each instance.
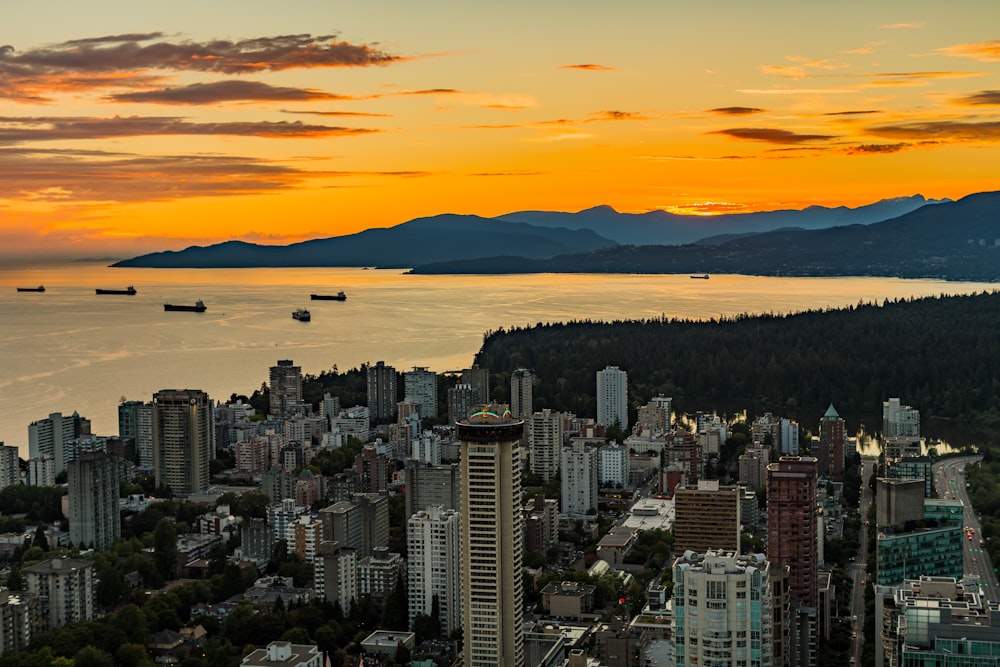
(361, 524)
(94, 514)
(462, 399)
(382, 392)
(479, 379)
(434, 566)
(492, 535)
(832, 445)
(614, 468)
(655, 417)
(722, 610)
(65, 587)
(19, 613)
(899, 421)
(54, 436)
(612, 397)
(428, 485)
(10, 467)
(681, 452)
(521, 394)
(420, 387)
(285, 388)
(183, 440)
(792, 533)
(707, 516)
(578, 479)
(545, 436)
(335, 574)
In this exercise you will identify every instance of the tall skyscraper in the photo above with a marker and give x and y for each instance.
(492, 538)
(479, 379)
(832, 444)
(420, 387)
(545, 440)
(382, 392)
(707, 516)
(734, 593)
(579, 479)
(899, 421)
(10, 467)
(521, 396)
(135, 421)
(285, 387)
(66, 589)
(54, 437)
(94, 515)
(612, 397)
(792, 533)
(435, 565)
(428, 485)
(183, 440)
(462, 398)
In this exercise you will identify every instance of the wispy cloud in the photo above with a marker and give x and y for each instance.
(984, 51)
(859, 112)
(863, 50)
(493, 174)
(796, 91)
(14, 130)
(590, 67)
(338, 114)
(912, 25)
(735, 111)
(772, 135)
(941, 130)
(227, 91)
(106, 61)
(925, 75)
(985, 97)
(869, 149)
(612, 114)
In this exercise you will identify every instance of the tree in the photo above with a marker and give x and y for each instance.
(165, 548)
(89, 656)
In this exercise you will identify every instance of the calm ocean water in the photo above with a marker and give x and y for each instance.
(69, 350)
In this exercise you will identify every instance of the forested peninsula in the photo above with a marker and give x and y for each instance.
(940, 353)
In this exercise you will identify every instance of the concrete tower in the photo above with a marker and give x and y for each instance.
(382, 392)
(492, 538)
(285, 387)
(612, 397)
(94, 515)
(420, 387)
(792, 534)
(521, 397)
(183, 440)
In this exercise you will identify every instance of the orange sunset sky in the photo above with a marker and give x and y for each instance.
(129, 127)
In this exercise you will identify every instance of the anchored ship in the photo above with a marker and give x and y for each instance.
(198, 307)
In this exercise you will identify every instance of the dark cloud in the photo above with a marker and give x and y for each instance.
(946, 130)
(852, 113)
(509, 173)
(592, 67)
(430, 91)
(877, 148)
(771, 135)
(227, 91)
(611, 114)
(23, 73)
(983, 97)
(736, 111)
(15, 130)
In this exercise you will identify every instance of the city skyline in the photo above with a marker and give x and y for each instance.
(129, 129)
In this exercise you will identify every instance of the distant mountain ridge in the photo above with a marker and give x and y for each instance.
(951, 240)
(515, 242)
(663, 228)
(422, 240)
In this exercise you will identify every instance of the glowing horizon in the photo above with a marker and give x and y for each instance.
(128, 129)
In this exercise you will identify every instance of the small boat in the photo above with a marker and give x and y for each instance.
(302, 315)
(700, 276)
(339, 296)
(129, 291)
(40, 288)
(198, 307)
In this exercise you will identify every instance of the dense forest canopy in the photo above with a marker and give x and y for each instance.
(941, 354)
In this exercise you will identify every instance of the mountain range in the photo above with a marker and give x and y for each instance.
(908, 236)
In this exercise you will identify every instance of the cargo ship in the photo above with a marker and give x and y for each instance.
(302, 315)
(339, 296)
(198, 307)
(700, 276)
(40, 288)
(127, 291)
